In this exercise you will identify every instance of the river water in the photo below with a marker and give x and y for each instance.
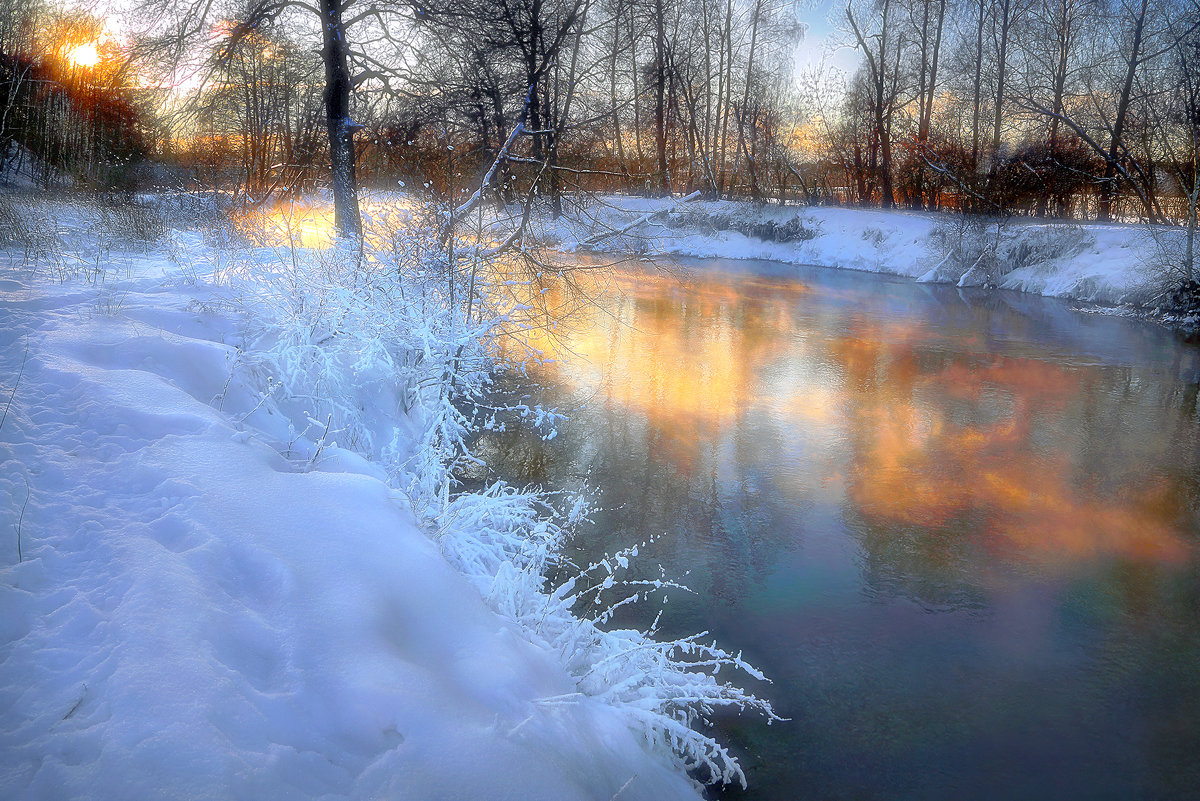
(959, 530)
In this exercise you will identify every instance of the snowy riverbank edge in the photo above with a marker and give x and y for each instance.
(191, 611)
(1120, 266)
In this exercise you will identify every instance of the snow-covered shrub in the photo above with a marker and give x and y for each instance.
(1032, 245)
(1171, 291)
(749, 223)
(965, 249)
(129, 222)
(74, 237)
(361, 344)
(25, 224)
(14, 228)
(508, 541)
(1180, 306)
(797, 229)
(697, 220)
(873, 235)
(976, 250)
(189, 210)
(389, 349)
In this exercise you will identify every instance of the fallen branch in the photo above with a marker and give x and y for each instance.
(459, 213)
(645, 218)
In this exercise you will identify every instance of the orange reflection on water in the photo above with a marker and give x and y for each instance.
(918, 465)
(917, 432)
(686, 355)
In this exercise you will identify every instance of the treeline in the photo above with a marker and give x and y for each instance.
(642, 95)
(64, 110)
(1063, 108)
(1070, 108)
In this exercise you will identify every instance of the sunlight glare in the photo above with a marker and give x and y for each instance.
(84, 55)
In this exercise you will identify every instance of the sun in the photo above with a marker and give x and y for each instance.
(84, 55)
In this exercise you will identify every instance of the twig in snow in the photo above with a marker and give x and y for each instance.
(624, 787)
(517, 728)
(16, 384)
(78, 703)
(21, 520)
(321, 442)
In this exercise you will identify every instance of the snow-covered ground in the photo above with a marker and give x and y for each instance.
(1108, 264)
(194, 605)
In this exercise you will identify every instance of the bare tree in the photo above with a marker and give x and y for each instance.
(1177, 120)
(1052, 67)
(265, 94)
(174, 29)
(881, 46)
(927, 19)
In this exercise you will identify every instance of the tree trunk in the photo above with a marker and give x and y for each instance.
(1052, 201)
(337, 117)
(746, 102)
(612, 95)
(977, 88)
(1108, 187)
(637, 92)
(725, 84)
(928, 89)
(660, 99)
(1001, 69)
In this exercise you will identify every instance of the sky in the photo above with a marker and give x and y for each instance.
(820, 49)
(820, 46)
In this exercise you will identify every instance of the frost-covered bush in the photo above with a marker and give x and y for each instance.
(697, 220)
(873, 236)
(388, 349)
(965, 247)
(1028, 246)
(976, 250)
(129, 222)
(749, 223)
(25, 224)
(1180, 306)
(73, 237)
(508, 540)
(362, 345)
(189, 210)
(797, 229)
(14, 227)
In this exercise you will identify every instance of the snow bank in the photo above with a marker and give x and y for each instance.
(190, 614)
(1109, 264)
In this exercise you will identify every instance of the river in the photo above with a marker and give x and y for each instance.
(959, 530)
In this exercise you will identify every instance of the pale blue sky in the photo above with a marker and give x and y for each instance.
(819, 45)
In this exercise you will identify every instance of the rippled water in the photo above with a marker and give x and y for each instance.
(959, 530)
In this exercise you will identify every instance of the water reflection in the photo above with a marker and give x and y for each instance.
(959, 529)
(920, 428)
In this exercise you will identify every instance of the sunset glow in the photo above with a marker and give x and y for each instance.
(84, 55)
